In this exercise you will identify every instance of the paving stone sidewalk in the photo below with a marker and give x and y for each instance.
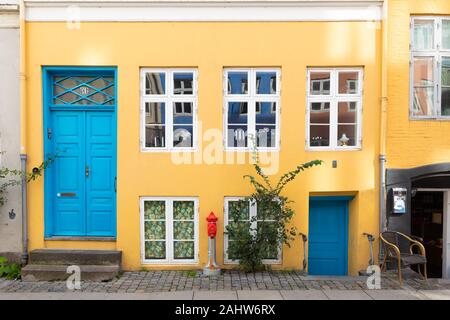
(230, 280)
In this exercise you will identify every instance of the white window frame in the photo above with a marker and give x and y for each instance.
(437, 53)
(252, 213)
(251, 98)
(334, 98)
(169, 98)
(169, 231)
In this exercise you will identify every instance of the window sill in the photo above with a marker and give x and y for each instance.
(321, 149)
(166, 150)
(445, 118)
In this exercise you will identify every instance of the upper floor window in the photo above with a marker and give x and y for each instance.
(168, 109)
(252, 108)
(430, 67)
(334, 108)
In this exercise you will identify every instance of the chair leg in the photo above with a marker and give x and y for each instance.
(425, 272)
(399, 266)
(383, 265)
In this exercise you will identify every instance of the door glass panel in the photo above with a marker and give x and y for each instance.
(83, 90)
(423, 34)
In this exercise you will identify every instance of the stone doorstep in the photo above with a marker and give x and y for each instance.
(75, 257)
(33, 272)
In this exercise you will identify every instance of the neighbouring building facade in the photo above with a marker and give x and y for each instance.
(11, 211)
(152, 110)
(418, 131)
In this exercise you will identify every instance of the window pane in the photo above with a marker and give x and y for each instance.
(348, 82)
(183, 210)
(182, 136)
(266, 112)
(423, 101)
(423, 34)
(423, 71)
(83, 90)
(183, 250)
(155, 210)
(237, 136)
(155, 230)
(183, 83)
(238, 210)
(183, 230)
(237, 112)
(320, 83)
(446, 34)
(266, 82)
(237, 82)
(346, 135)
(320, 112)
(445, 98)
(182, 113)
(155, 136)
(266, 136)
(155, 113)
(347, 112)
(238, 225)
(155, 249)
(155, 83)
(319, 135)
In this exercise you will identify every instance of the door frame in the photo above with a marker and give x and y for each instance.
(346, 199)
(47, 73)
(445, 229)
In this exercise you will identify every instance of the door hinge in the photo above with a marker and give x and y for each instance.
(49, 133)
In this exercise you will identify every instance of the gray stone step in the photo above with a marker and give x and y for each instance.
(75, 257)
(51, 272)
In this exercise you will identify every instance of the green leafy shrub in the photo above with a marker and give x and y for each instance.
(10, 271)
(260, 237)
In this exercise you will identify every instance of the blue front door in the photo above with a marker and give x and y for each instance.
(84, 179)
(328, 233)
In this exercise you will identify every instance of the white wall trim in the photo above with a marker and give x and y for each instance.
(204, 11)
(9, 16)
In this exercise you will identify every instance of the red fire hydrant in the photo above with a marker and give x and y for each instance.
(211, 267)
(212, 225)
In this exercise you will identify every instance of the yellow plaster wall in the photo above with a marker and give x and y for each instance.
(210, 47)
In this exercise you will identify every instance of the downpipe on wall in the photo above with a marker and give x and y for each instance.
(23, 162)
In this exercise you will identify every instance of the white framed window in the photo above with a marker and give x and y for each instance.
(430, 67)
(169, 230)
(251, 108)
(334, 109)
(248, 217)
(168, 109)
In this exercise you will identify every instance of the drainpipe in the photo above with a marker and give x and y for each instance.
(383, 125)
(23, 127)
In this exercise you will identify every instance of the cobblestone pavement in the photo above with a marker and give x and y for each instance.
(165, 281)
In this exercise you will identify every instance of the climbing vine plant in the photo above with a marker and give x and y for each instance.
(253, 238)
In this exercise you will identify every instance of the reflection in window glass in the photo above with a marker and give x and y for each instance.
(237, 124)
(183, 83)
(237, 82)
(266, 125)
(347, 124)
(445, 77)
(423, 34)
(320, 112)
(155, 124)
(423, 86)
(319, 118)
(155, 83)
(348, 82)
(266, 82)
(183, 124)
(320, 83)
(446, 34)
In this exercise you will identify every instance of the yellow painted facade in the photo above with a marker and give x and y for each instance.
(410, 143)
(209, 47)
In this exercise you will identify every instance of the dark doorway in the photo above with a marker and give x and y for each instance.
(427, 212)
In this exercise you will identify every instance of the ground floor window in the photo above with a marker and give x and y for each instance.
(248, 216)
(169, 230)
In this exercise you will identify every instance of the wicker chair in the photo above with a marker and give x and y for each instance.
(394, 244)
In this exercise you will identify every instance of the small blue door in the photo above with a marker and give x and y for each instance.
(80, 133)
(328, 234)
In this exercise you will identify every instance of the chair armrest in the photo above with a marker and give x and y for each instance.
(414, 243)
(391, 246)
